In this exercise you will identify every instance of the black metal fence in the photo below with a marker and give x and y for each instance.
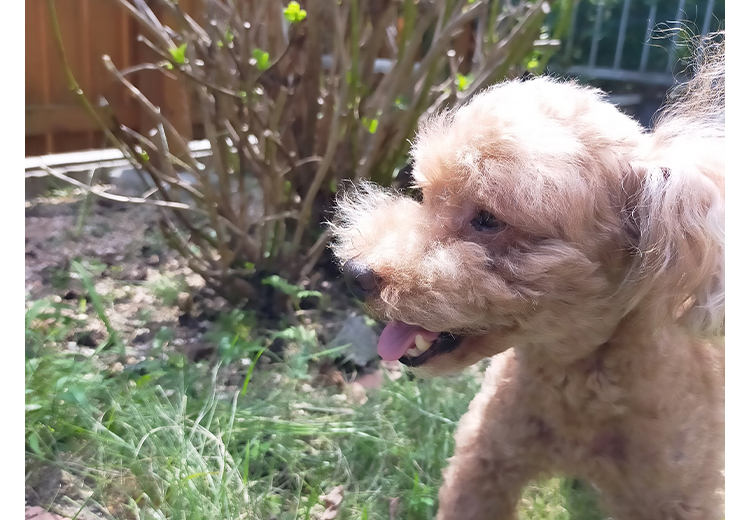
(635, 48)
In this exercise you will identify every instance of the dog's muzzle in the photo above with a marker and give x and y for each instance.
(361, 280)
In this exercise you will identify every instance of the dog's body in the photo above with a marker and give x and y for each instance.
(641, 419)
(586, 255)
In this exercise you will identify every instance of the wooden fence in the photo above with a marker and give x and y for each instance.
(55, 120)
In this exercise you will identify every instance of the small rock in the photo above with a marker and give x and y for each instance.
(119, 294)
(355, 393)
(136, 272)
(374, 380)
(153, 260)
(184, 302)
(362, 339)
(117, 368)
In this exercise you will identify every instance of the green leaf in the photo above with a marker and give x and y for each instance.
(32, 407)
(533, 61)
(255, 451)
(284, 286)
(34, 444)
(250, 371)
(98, 305)
(261, 59)
(199, 474)
(463, 82)
(370, 124)
(77, 394)
(308, 294)
(294, 13)
(178, 53)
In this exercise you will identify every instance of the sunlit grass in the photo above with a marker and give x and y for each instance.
(182, 445)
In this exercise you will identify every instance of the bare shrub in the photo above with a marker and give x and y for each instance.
(293, 100)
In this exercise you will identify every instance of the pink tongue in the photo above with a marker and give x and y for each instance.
(398, 337)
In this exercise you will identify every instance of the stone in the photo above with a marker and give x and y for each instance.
(362, 340)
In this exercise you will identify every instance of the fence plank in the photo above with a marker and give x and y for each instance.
(55, 120)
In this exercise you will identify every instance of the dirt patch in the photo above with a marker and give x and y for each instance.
(145, 285)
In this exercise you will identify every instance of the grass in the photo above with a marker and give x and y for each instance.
(170, 439)
(168, 288)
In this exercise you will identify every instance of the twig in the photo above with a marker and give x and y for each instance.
(186, 72)
(96, 190)
(152, 109)
(312, 256)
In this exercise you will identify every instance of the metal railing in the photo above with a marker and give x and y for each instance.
(660, 30)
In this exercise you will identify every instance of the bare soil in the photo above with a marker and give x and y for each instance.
(146, 285)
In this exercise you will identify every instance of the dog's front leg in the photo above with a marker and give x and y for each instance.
(498, 451)
(481, 488)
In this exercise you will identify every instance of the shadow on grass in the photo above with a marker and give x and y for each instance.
(560, 499)
(581, 500)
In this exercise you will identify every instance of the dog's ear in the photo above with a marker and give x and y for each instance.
(674, 221)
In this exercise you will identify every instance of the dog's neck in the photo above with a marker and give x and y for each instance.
(635, 330)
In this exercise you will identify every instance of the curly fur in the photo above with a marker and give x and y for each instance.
(602, 300)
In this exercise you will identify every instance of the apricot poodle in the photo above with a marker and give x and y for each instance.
(587, 256)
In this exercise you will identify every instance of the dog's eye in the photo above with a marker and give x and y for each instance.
(486, 221)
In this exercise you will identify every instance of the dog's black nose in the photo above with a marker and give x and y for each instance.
(361, 280)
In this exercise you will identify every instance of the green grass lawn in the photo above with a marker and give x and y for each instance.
(171, 439)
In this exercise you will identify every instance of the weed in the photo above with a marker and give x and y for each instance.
(98, 305)
(168, 288)
(295, 292)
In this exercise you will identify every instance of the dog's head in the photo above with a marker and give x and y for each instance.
(546, 218)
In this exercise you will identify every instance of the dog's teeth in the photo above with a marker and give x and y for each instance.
(413, 352)
(421, 343)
